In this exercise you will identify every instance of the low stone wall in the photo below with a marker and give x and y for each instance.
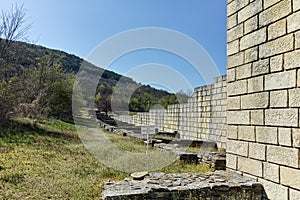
(202, 118)
(161, 186)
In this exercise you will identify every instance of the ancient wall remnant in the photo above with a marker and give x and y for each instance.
(263, 80)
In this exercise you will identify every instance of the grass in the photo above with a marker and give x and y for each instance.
(46, 160)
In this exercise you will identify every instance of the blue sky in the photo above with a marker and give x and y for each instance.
(77, 27)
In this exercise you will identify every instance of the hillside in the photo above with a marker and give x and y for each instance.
(142, 98)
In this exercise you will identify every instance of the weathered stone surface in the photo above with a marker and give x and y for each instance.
(238, 117)
(292, 59)
(234, 103)
(237, 87)
(235, 6)
(231, 161)
(251, 25)
(250, 166)
(226, 185)
(235, 60)
(290, 177)
(250, 10)
(266, 135)
(282, 117)
(280, 80)
(273, 190)
(256, 100)
(231, 75)
(283, 155)
(246, 133)
(278, 98)
(293, 22)
(277, 46)
(296, 137)
(294, 194)
(243, 71)
(271, 172)
(297, 40)
(255, 84)
(294, 97)
(298, 78)
(138, 175)
(275, 12)
(268, 3)
(260, 67)
(235, 33)
(277, 29)
(231, 21)
(237, 147)
(285, 136)
(276, 63)
(253, 39)
(296, 6)
(233, 47)
(257, 151)
(251, 54)
(257, 117)
(232, 132)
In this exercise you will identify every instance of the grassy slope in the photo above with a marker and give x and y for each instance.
(46, 160)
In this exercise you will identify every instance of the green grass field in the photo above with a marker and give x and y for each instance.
(46, 160)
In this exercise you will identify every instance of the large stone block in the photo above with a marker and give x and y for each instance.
(283, 155)
(232, 132)
(280, 80)
(235, 33)
(276, 63)
(257, 117)
(268, 3)
(253, 39)
(233, 47)
(282, 117)
(285, 136)
(277, 29)
(275, 12)
(237, 87)
(250, 10)
(234, 103)
(238, 117)
(260, 67)
(253, 167)
(237, 147)
(277, 46)
(290, 177)
(235, 6)
(271, 172)
(294, 97)
(246, 133)
(293, 22)
(256, 100)
(252, 54)
(235, 60)
(292, 59)
(231, 21)
(266, 135)
(294, 194)
(231, 75)
(296, 5)
(251, 24)
(274, 191)
(257, 151)
(255, 84)
(297, 40)
(243, 71)
(231, 161)
(296, 137)
(278, 98)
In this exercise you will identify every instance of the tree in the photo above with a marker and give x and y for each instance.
(12, 28)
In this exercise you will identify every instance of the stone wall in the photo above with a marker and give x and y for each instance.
(202, 118)
(263, 79)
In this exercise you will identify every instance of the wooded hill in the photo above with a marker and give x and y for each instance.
(23, 56)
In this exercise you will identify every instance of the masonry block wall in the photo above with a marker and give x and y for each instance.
(202, 118)
(263, 88)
